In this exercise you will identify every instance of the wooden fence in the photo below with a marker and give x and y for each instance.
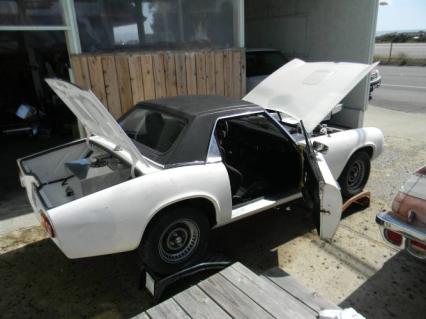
(120, 80)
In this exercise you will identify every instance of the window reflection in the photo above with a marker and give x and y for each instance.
(30, 12)
(165, 24)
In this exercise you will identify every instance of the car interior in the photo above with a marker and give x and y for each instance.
(260, 159)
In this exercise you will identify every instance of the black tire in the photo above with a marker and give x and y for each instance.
(175, 239)
(355, 174)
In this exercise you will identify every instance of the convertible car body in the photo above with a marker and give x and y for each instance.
(171, 169)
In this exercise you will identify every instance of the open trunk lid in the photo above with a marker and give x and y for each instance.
(308, 91)
(95, 117)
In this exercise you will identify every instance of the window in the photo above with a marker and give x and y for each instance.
(157, 24)
(16, 12)
(154, 129)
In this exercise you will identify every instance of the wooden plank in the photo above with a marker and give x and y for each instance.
(148, 76)
(219, 77)
(124, 85)
(236, 74)
(243, 73)
(181, 74)
(171, 85)
(167, 309)
(77, 69)
(191, 73)
(276, 301)
(97, 83)
(210, 74)
(227, 72)
(231, 299)
(111, 85)
(198, 305)
(159, 75)
(200, 61)
(136, 79)
(297, 290)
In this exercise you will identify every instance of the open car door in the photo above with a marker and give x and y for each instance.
(321, 190)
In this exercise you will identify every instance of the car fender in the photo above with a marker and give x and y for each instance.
(113, 220)
(342, 145)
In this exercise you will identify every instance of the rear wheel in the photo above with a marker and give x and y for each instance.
(355, 174)
(176, 239)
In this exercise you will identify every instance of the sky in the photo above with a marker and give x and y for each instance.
(402, 15)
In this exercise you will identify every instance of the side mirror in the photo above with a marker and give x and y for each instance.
(319, 147)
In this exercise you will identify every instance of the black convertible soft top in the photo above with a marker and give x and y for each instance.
(200, 114)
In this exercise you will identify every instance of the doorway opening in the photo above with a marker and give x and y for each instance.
(32, 117)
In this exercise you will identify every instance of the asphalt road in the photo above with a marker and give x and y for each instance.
(412, 50)
(403, 89)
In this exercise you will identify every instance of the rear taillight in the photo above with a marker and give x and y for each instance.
(393, 237)
(418, 245)
(45, 223)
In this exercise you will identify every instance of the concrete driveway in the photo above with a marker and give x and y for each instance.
(357, 269)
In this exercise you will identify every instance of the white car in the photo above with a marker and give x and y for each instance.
(173, 168)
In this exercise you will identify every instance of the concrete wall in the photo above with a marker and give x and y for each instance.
(318, 30)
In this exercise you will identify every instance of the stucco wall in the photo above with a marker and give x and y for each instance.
(318, 30)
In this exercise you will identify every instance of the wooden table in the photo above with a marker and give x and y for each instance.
(237, 292)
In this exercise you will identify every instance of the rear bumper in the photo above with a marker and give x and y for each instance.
(410, 232)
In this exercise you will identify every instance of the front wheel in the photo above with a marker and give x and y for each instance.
(355, 174)
(174, 240)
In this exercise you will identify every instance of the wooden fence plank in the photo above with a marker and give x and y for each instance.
(243, 73)
(136, 79)
(200, 61)
(231, 299)
(111, 85)
(97, 83)
(278, 302)
(191, 73)
(220, 82)
(77, 68)
(210, 74)
(181, 74)
(198, 305)
(171, 84)
(124, 85)
(236, 74)
(148, 76)
(159, 75)
(227, 72)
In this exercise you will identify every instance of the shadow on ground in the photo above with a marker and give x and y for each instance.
(254, 241)
(39, 281)
(398, 290)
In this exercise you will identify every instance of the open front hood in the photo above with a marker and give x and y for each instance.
(308, 91)
(95, 117)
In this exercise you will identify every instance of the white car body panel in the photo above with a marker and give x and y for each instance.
(113, 220)
(330, 199)
(308, 91)
(343, 144)
(95, 117)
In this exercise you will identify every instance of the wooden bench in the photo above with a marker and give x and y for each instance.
(237, 292)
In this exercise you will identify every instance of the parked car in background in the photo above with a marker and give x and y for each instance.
(260, 63)
(171, 169)
(375, 81)
(404, 226)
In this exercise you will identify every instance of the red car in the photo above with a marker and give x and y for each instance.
(405, 225)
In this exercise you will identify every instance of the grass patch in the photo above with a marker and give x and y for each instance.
(400, 59)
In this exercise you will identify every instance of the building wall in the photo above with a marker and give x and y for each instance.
(318, 30)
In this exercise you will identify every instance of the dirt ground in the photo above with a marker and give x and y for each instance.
(356, 269)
